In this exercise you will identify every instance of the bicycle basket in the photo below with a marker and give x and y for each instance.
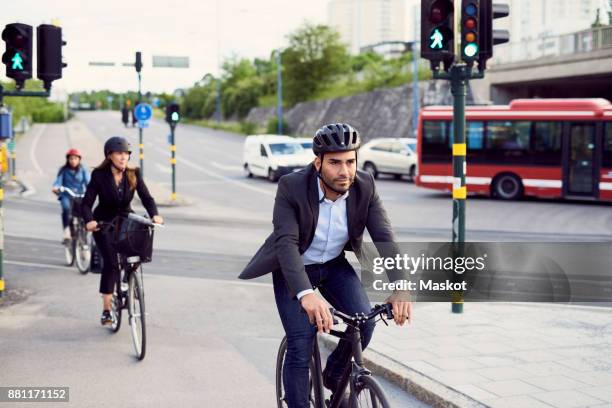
(132, 238)
(75, 208)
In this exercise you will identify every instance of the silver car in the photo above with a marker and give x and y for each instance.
(396, 156)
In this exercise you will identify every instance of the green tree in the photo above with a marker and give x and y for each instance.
(314, 58)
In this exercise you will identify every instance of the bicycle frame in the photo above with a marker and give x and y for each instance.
(356, 366)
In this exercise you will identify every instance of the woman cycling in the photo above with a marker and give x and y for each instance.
(114, 183)
(72, 175)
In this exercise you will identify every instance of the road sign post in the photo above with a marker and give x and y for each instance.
(143, 113)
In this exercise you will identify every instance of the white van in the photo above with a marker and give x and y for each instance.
(273, 156)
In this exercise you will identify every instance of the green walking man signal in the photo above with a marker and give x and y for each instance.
(436, 38)
(17, 62)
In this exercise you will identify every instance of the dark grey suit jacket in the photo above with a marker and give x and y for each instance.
(296, 213)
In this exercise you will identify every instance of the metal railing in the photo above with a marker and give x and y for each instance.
(584, 41)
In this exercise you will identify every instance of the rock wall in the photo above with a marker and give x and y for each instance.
(380, 113)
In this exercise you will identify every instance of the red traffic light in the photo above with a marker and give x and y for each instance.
(470, 23)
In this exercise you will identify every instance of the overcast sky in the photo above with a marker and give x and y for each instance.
(112, 30)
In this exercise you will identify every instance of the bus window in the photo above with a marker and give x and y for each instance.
(475, 135)
(547, 143)
(607, 145)
(507, 139)
(436, 141)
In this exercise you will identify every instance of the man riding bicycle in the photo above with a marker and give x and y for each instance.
(319, 212)
(72, 175)
(114, 183)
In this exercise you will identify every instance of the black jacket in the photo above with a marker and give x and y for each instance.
(296, 213)
(103, 186)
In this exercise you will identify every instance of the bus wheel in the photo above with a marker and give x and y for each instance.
(507, 187)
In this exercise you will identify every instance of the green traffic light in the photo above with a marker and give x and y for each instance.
(174, 117)
(470, 50)
(437, 39)
(17, 62)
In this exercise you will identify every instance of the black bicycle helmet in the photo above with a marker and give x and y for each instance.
(336, 137)
(117, 144)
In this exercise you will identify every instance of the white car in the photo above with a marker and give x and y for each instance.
(306, 143)
(273, 156)
(396, 156)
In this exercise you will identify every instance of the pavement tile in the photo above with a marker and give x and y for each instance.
(601, 392)
(567, 399)
(496, 361)
(594, 378)
(545, 368)
(581, 364)
(490, 347)
(516, 402)
(415, 354)
(501, 373)
(535, 356)
(455, 363)
(457, 378)
(475, 392)
(554, 383)
(509, 388)
(422, 367)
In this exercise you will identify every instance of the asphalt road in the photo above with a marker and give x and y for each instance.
(209, 332)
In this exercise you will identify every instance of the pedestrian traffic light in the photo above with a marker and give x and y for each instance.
(437, 32)
(470, 38)
(18, 54)
(173, 113)
(138, 63)
(489, 37)
(49, 54)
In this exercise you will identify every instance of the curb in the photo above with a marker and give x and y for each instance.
(415, 383)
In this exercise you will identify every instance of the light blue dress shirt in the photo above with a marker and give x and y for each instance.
(331, 234)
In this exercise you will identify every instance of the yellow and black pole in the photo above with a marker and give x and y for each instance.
(173, 161)
(13, 153)
(172, 117)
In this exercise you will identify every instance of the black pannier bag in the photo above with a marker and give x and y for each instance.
(132, 238)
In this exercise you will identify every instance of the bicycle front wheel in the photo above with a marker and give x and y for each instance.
(69, 252)
(82, 251)
(281, 399)
(368, 394)
(136, 308)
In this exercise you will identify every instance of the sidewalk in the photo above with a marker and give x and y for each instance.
(500, 355)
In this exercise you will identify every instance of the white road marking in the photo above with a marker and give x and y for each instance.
(163, 169)
(33, 149)
(226, 167)
(36, 265)
(220, 176)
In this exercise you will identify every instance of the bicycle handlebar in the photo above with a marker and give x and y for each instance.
(63, 189)
(358, 318)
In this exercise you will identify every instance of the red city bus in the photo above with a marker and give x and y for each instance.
(549, 148)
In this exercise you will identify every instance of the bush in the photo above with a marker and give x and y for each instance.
(273, 126)
(48, 114)
(248, 128)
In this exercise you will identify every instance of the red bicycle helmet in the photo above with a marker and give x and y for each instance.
(74, 152)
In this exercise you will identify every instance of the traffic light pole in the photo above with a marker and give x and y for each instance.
(140, 143)
(459, 76)
(173, 160)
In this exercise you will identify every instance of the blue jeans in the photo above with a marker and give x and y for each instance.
(65, 203)
(340, 286)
